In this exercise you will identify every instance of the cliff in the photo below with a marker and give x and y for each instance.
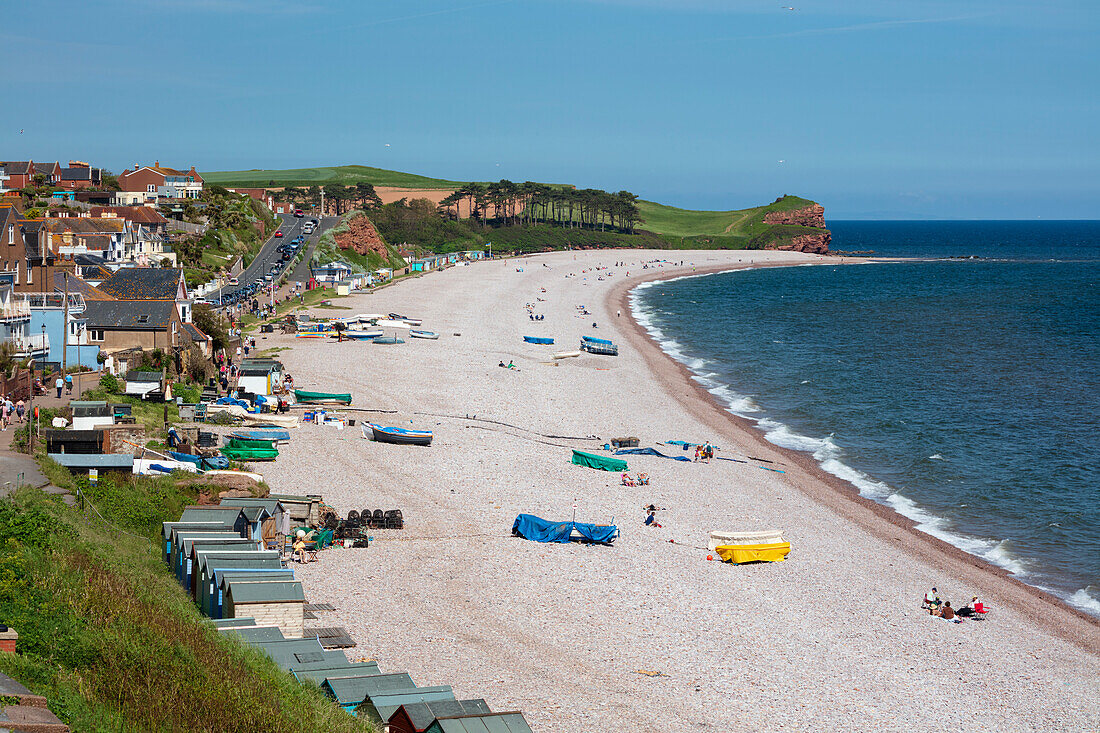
(361, 237)
(807, 216)
(794, 225)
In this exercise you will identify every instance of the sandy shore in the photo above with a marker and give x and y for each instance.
(833, 638)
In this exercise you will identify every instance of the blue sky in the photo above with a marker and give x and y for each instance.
(876, 108)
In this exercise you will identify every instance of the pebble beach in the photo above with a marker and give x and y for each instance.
(647, 634)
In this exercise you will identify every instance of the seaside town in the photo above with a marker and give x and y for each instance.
(549, 367)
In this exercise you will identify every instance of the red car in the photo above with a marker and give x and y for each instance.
(278, 234)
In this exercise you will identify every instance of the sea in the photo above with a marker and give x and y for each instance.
(959, 386)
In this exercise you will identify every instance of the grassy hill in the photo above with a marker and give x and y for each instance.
(347, 175)
(675, 222)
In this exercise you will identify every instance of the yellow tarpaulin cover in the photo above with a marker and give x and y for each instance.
(753, 553)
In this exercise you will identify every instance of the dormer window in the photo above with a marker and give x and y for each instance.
(143, 319)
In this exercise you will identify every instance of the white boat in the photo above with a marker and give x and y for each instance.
(362, 334)
(416, 333)
(565, 355)
(145, 466)
(413, 321)
(368, 317)
(389, 323)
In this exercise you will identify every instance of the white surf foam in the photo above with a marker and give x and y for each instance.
(1086, 600)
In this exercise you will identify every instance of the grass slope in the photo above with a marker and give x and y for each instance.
(689, 223)
(347, 175)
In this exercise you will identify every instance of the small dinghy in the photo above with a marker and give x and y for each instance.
(362, 334)
(538, 340)
(397, 436)
(565, 355)
(388, 340)
(416, 333)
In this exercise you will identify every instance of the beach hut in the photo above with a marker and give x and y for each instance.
(254, 634)
(91, 415)
(256, 379)
(510, 722)
(208, 560)
(416, 717)
(214, 591)
(181, 554)
(318, 672)
(193, 548)
(271, 604)
(302, 509)
(289, 652)
(274, 508)
(218, 571)
(167, 527)
(141, 384)
(225, 514)
(351, 692)
(224, 624)
(381, 707)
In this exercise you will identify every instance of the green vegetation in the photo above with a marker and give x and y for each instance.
(109, 636)
(347, 175)
(688, 223)
(238, 225)
(328, 251)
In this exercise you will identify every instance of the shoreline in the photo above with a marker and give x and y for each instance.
(837, 494)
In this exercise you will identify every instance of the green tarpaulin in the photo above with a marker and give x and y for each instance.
(318, 398)
(602, 463)
(250, 450)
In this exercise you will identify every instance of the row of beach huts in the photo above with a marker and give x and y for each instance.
(242, 583)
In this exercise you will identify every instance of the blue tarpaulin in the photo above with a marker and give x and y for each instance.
(536, 529)
(233, 401)
(648, 452)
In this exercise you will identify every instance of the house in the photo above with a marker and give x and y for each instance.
(139, 216)
(16, 175)
(98, 198)
(50, 171)
(279, 604)
(150, 283)
(69, 236)
(331, 273)
(417, 716)
(117, 325)
(93, 270)
(159, 183)
(15, 318)
(79, 176)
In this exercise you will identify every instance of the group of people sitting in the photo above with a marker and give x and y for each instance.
(704, 452)
(651, 516)
(641, 480)
(509, 365)
(942, 609)
(539, 317)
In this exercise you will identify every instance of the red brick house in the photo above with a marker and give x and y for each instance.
(79, 176)
(159, 182)
(16, 174)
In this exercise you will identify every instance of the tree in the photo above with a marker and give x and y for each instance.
(212, 323)
(367, 197)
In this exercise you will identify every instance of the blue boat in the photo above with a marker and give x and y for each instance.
(537, 340)
(260, 434)
(599, 346)
(397, 436)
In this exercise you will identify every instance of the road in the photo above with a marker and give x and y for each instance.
(291, 227)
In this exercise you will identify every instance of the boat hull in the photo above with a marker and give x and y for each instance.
(416, 334)
(397, 436)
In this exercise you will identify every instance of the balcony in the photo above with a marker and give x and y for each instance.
(52, 300)
(34, 345)
(14, 312)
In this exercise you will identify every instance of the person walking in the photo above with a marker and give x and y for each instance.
(69, 384)
(21, 410)
(60, 385)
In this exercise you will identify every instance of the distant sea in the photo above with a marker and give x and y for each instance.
(962, 388)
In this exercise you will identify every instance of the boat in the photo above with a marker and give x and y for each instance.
(250, 450)
(565, 355)
(389, 340)
(390, 323)
(258, 433)
(538, 340)
(358, 334)
(599, 346)
(397, 436)
(406, 319)
(310, 335)
(321, 398)
(417, 333)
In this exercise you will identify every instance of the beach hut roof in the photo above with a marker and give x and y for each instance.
(423, 714)
(255, 513)
(250, 591)
(215, 525)
(318, 672)
(289, 652)
(210, 542)
(211, 560)
(229, 623)
(510, 722)
(353, 690)
(385, 704)
(271, 505)
(210, 513)
(252, 634)
(222, 578)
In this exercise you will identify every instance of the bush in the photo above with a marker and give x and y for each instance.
(109, 384)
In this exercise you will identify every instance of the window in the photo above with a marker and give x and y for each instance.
(11, 234)
(95, 334)
(143, 319)
(151, 188)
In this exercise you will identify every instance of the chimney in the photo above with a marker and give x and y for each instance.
(156, 164)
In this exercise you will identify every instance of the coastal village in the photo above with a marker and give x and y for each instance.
(461, 493)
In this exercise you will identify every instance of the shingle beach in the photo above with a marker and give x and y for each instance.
(644, 635)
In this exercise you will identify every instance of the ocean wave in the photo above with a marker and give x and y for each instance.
(936, 457)
(822, 449)
(1086, 599)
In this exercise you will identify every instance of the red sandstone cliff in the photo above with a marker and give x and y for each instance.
(812, 217)
(813, 243)
(809, 216)
(361, 237)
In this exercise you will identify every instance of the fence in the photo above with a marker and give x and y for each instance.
(186, 226)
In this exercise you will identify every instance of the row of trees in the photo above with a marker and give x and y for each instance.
(339, 199)
(527, 203)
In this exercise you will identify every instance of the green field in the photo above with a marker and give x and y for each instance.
(675, 222)
(347, 175)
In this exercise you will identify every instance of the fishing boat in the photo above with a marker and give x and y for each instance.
(538, 340)
(391, 323)
(321, 398)
(565, 355)
(362, 334)
(599, 346)
(417, 333)
(406, 319)
(397, 436)
(388, 340)
(258, 433)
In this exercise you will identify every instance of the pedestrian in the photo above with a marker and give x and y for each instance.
(5, 415)
(21, 410)
(69, 383)
(60, 385)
